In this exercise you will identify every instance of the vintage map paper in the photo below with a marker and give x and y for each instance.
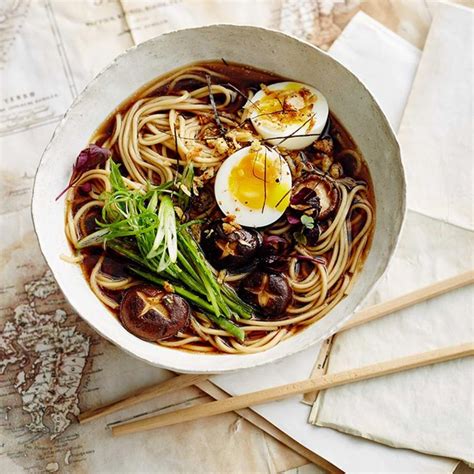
(48, 52)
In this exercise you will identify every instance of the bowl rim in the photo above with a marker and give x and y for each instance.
(246, 359)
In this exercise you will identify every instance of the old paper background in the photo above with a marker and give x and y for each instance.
(52, 364)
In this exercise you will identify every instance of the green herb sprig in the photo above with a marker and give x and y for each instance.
(142, 227)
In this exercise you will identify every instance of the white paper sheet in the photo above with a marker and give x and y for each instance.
(428, 409)
(438, 124)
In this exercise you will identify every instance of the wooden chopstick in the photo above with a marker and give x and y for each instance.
(369, 314)
(284, 391)
(142, 395)
(269, 428)
(383, 309)
(410, 299)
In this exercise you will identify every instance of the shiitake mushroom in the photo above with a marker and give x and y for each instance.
(315, 195)
(229, 246)
(269, 293)
(153, 314)
(88, 221)
(202, 203)
(274, 245)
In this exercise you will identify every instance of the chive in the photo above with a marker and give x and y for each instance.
(228, 326)
(207, 277)
(187, 178)
(162, 249)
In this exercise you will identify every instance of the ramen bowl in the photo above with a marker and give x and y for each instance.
(348, 99)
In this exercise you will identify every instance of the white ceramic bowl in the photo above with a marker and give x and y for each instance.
(348, 99)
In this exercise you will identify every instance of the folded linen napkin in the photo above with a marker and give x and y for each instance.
(429, 409)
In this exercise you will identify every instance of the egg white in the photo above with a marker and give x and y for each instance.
(230, 205)
(320, 112)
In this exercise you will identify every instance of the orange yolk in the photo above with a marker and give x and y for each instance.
(291, 105)
(256, 187)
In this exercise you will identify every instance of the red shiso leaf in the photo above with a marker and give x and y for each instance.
(88, 159)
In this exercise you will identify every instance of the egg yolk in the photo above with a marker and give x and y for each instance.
(257, 182)
(291, 105)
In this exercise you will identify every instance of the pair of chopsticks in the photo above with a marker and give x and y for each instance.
(305, 386)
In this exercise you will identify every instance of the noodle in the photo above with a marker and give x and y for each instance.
(168, 126)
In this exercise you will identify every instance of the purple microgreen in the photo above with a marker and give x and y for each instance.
(274, 245)
(85, 188)
(273, 240)
(88, 159)
(274, 263)
(306, 197)
(312, 235)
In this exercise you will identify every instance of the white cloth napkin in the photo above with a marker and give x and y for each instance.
(352, 454)
(427, 409)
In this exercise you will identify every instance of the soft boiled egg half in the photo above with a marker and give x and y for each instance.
(289, 115)
(254, 186)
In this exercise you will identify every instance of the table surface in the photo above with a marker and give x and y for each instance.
(411, 20)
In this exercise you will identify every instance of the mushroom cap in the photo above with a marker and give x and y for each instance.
(153, 314)
(228, 246)
(269, 293)
(316, 195)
